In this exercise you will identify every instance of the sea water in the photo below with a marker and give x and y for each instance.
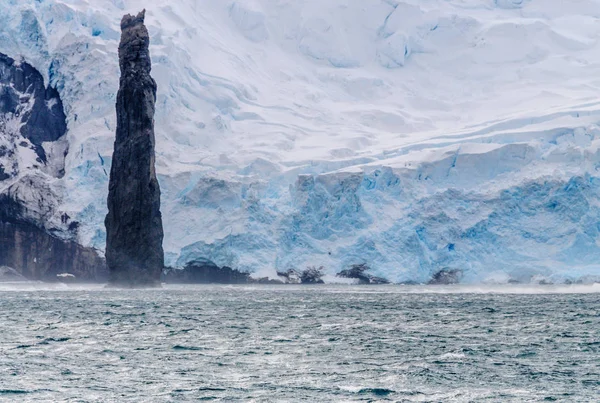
(296, 343)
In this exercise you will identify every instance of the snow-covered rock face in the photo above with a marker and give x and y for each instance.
(32, 143)
(31, 120)
(413, 135)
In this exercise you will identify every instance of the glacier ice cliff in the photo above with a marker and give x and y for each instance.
(414, 136)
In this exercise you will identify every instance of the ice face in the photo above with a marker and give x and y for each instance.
(411, 135)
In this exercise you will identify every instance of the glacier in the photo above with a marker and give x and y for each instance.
(411, 135)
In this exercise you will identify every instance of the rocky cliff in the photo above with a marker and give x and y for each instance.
(36, 237)
(36, 254)
(134, 231)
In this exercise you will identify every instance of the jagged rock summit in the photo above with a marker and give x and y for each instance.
(134, 231)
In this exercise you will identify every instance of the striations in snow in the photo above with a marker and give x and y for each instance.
(411, 135)
(134, 232)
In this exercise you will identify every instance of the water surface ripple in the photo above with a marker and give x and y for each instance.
(314, 344)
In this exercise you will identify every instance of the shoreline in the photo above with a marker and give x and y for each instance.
(547, 289)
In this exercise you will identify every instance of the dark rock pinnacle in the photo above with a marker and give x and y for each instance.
(134, 231)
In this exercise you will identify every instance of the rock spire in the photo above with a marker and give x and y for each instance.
(134, 231)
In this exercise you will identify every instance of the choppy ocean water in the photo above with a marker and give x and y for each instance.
(294, 343)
